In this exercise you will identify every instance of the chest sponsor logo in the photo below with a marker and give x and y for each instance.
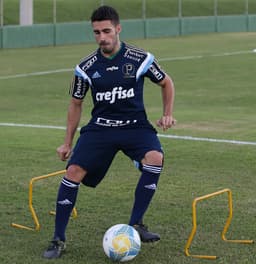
(117, 93)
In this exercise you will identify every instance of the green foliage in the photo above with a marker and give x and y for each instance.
(80, 10)
(215, 98)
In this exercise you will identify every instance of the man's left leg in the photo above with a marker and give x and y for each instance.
(151, 167)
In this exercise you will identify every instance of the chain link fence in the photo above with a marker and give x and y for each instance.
(59, 11)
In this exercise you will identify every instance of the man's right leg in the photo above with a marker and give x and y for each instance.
(66, 200)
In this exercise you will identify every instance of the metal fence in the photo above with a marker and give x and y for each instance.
(55, 11)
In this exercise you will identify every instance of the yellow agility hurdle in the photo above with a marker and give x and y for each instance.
(30, 202)
(225, 229)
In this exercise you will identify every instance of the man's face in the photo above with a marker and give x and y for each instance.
(107, 36)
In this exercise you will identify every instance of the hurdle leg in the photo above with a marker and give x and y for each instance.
(30, 202)
(225, 229)
(73, 213)
(228, 221)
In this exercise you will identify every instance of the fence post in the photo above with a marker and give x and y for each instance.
(246, 7)
(216, 15)
(247, 14)
(144, 17)
(180, 16)
(54, 14)
(26, 12)
(1, 13)
(2, 23)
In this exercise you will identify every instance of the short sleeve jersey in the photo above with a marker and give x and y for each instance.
(116, 84)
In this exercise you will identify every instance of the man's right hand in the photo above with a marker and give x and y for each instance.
(64, 152)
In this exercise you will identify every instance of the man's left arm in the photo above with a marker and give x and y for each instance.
(168, 93)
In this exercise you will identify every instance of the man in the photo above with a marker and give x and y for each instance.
(115, 75)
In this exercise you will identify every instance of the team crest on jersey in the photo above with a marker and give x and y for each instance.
(128, 70)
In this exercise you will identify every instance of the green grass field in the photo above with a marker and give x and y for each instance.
(215, 98)
(80, 10)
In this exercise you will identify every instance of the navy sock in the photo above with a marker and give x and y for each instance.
(66, 200)
(144, 192)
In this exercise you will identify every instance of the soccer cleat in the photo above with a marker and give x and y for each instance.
(54, 250)
(145, 235)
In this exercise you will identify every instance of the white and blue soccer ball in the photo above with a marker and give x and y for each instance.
(121, 242)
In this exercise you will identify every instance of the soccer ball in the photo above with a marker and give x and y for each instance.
(121, 242)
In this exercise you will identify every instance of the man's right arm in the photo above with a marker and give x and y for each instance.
(73, 119)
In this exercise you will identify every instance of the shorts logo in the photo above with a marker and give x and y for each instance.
(114, 123)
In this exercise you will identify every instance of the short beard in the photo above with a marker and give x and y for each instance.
(106, 51)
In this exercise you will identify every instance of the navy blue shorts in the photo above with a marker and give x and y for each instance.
(96, 149)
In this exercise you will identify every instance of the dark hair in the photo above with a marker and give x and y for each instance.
(105, 13)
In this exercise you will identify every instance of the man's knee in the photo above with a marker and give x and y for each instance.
(75, 173)
(153, 157)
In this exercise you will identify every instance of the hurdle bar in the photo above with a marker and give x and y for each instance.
(30, 202)
(225, 229)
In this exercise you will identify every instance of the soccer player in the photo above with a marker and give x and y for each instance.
(115, 75)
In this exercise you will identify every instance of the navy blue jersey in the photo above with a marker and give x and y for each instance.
(116, 85)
